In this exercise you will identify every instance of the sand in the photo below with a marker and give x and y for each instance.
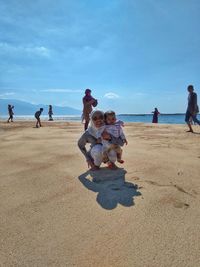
(54, 212)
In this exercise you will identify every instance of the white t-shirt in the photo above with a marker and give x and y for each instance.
(113, 129)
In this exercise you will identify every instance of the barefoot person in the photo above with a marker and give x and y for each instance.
(94, 155)
(10, 113)
(88, 102)
(192, 108)
(37, 116)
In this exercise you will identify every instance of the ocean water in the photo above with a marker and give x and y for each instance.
(145, 118)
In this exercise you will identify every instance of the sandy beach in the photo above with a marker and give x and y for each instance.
(54, 212)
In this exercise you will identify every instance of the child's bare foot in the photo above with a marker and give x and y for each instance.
(120, 161)
(112, 166)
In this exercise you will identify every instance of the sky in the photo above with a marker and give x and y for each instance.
(134, 55)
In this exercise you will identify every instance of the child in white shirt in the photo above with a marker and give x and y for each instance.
(113, 127)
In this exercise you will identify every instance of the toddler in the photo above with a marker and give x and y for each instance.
(113, 127)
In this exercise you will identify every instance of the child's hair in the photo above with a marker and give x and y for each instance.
(41, 109)
(109, 113)
(87, 91)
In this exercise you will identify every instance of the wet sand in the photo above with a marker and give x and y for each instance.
(54, 212)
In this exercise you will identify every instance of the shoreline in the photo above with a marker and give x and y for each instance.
(79, 123)
(163, 119)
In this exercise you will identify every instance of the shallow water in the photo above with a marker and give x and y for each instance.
(145, 118)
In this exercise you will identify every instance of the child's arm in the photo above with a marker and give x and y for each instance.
(121, 123)
(123, 137)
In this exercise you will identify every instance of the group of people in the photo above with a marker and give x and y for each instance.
(191, 112)
(104, 132)
(106, 138)
(37, 115)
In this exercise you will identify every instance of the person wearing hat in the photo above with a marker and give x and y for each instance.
(88, 103)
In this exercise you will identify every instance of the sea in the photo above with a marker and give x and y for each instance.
(143, 118)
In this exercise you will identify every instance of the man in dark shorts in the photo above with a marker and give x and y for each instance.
(37, 116)
(192, 108)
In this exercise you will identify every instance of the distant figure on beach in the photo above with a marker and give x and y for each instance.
(50, 113)
(37, 116)
(113, 127)
(192, 108)
(10, 113)
(88, 103)
(155, 115)
(94, 156)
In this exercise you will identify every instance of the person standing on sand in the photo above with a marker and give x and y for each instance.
(155, 115)
(88, 102)
(192, 108)
(50, 113)
(10, 113)
(37, 116)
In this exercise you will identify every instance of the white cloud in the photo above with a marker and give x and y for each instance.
(61, 91)
(38, 50)
(111, 95)
(7, 94)
(29, 50)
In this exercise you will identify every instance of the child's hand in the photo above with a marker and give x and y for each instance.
(121, 123)
(125, 141)
(105, 135)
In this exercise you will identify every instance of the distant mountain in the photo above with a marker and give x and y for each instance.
(25, 108)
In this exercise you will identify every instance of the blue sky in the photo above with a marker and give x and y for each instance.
(133, 54)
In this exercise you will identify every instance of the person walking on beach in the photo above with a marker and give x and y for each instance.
(88, 103)
(50, 113)
(10, 113)
(155, 115)
(192, 108)
(37, 116)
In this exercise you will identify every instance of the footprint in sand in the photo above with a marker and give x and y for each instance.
(180, 172)
(181, 205)
(135, 178)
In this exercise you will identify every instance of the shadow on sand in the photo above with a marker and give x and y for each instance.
(111, 187)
